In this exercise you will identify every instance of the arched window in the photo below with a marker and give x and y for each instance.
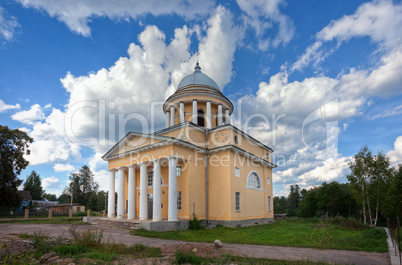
(200, 118)
(253, 180)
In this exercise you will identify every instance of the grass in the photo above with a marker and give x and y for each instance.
(312, 233)
(190, 258)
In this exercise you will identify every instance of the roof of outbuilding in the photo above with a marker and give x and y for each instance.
(198, 78)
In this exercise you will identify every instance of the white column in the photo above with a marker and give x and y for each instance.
(167, 118)
(171, 115)
(172, 210)
(182, 118)
(111, 199)
(209, 114)
(220, 115)
(120, 194)
(195, 112)
(131, 192)
(143, 192)
(227, 117)
(157, 210)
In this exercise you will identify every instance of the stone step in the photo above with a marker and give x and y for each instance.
(120, 224)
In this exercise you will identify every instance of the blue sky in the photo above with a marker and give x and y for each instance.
(288, 61)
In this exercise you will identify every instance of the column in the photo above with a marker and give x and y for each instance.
(143, 192)
(111, 198)
(195, 112)
(120, 194)
(209, 114)
(172, 209)
(131, 192)
(220, 115)
(171, 115)
(167, 118)
(181, 112)
(227, 117)
(157, 210)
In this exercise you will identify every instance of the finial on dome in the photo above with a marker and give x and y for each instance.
(197, 65)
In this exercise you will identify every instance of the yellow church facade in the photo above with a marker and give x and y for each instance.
(199, 164)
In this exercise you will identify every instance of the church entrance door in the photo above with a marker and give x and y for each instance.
(150, 205)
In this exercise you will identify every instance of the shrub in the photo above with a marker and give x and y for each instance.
(186, 258)
(195, 224)
(40, 241)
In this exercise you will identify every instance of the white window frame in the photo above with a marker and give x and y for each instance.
(151, 180)
(269, 204)
(237, 172)
(178, 170)
(237, 201)
(268, 181)
(249, 186)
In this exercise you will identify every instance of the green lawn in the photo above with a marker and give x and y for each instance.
(290, 233)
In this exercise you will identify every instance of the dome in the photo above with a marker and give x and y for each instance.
(198, 78)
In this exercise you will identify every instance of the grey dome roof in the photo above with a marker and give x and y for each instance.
(198, 78)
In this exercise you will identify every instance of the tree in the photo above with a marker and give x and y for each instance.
(33, 184)
(392, 206)
(82, 186)
(50, 197)
(280, 205)
(294, 200)
(13, 145)
(368, 180)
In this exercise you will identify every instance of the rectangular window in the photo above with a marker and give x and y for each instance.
(269, 203)
(237, 201)
(78, 209)
(237, 172)
(150, 178)
(268, 180)
(179, 200)
(178, 169)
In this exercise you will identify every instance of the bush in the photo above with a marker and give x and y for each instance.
(347, 223)
(195, 224)
(41, 242)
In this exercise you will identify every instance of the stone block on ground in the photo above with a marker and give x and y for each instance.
(218, 244)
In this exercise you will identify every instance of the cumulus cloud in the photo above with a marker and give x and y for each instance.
(77, 14)
(395, 156)
(51, 183)
(261, 15)
(8, 26)
(287, 105)
(29, 116)
(63, 167)
(381, 21)
(4, 107)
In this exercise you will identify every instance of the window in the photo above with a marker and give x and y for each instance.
(178, 170)
(268, 180)
(236, 139)
(150, 178)
(237, 201)
(237, 172)
(200, 117)
(253, 180)
(269, 203)
(179, 200)
(78, 209)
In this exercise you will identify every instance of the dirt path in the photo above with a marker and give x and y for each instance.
(168, 246)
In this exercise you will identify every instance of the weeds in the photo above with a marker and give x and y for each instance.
(195, 224)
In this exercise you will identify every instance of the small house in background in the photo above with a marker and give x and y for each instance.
(64, 208)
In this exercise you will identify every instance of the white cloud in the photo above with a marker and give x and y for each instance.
(8, 25)
(29, 116)
(388, 112)
(63, 167)
(4, 107)
(51, 183)
(77, 14)
(395, 156)
(261, 15)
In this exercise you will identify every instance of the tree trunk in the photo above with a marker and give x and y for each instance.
(364, 206)
(378, 203)
(369, 211)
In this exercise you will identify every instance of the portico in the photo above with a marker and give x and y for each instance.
(127, 187)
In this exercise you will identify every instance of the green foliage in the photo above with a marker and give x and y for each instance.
(392, 206)
(33, 184)
(280, 205)
(41, 242)
(13, 146)
(181, 257)
(291, 232)
(294, 200)
(50, 197)
(195, 224)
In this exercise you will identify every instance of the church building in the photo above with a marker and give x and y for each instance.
(198, 165)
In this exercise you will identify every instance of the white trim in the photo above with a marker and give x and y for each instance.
(251, 188)
(259, 178)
